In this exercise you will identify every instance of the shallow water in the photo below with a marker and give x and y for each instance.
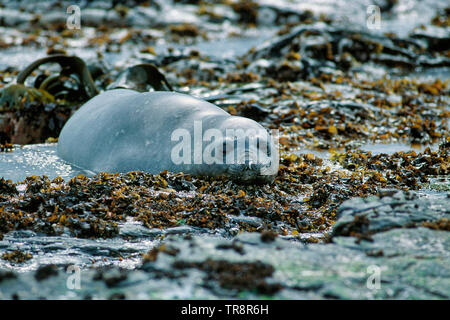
(393, 147)
(123, 251)
(60, 250)
(36, 159)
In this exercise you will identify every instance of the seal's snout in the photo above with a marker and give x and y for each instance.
(252, 167)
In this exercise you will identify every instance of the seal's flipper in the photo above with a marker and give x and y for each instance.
(140, 77)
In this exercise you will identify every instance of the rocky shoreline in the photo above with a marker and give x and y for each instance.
(404, 261)
(359, 209)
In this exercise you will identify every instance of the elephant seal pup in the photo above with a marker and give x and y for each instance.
(123, 130)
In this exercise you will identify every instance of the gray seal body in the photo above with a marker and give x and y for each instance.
(123, 130)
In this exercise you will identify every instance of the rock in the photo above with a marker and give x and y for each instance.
(13, 18)
(46, 271)
(397, 264)
(5, 275)
(392, 210)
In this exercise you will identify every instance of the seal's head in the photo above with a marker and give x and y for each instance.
(247, 151)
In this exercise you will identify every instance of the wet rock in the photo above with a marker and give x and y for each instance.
(333, 47)
(268, 236)
(34, 124)
(237, 276)
(398, 210)
(11, 18)
(236, 246)
(143, 78)
(253, 111)
(436, 38)
(111, 277)
(5, 275)
(283, 269)
(45, 272)
(134, 229)
(7, 187)
(180, 230)
(117, 296)
(409, 263)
